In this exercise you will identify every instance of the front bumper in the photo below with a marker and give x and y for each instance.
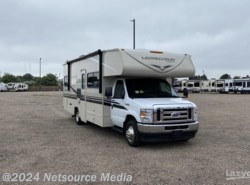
(168, 132)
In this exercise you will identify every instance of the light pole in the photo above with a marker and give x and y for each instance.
(40, 66)
(40, 72)
(133, 32)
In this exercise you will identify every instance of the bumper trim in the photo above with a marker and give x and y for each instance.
(154, 129)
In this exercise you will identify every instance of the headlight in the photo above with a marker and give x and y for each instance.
(146, 115)
(195, 114)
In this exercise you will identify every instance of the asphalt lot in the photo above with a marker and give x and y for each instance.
(37, 136)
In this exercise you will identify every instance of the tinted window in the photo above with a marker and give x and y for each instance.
(93, 80)
(238, 83)
(65, 80)
(197, 84)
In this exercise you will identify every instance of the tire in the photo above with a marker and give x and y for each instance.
(77, 118)
(132, 134)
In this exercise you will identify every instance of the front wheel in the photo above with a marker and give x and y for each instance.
(132, 133)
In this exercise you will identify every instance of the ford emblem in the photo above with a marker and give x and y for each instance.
(175, 114)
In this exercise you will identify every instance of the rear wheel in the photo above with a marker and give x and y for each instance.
(132, 133)
(77, 117)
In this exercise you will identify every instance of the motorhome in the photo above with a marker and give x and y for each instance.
(127, 90)
(3, 87)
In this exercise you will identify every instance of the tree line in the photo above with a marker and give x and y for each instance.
(47, 80)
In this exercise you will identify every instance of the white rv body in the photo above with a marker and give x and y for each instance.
(204, 85)
(180, 85)
(10, 85)
(3, 87)
(227, 87)
(241, 85)
(97, 89)
(211, 85)
(194, 86)
(20, 87)
(219, 85)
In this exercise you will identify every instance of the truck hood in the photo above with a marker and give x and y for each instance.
(162, 102)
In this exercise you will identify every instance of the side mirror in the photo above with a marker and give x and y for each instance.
(108, 92)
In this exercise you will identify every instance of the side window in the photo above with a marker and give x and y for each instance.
(83, 81)
(65, 80)
(119, 90)
(164, 88)
(93, 80)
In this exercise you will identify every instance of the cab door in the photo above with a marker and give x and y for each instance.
(118, 110)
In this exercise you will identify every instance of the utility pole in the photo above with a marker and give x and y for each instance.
(133, 32)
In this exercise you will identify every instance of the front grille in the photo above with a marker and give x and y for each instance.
(174, 115)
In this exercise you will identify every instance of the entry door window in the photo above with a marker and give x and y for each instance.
(83, 81)
(93, 80)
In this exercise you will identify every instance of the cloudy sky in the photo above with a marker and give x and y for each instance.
(216, 33)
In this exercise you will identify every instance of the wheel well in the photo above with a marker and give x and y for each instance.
(128, 118)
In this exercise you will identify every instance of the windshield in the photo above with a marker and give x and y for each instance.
(149, 88)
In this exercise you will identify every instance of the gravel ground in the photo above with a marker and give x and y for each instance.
(37, 136)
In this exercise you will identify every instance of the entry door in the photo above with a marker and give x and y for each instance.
(118, 110)
(82, 100)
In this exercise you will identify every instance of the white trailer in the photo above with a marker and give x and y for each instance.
(180, 85)
(227, 86)
(10, 85)
(219, 85)
(212, 85)
(20, 87)
(194, 86)
(241, 85)
(204, 85)
(127, 90)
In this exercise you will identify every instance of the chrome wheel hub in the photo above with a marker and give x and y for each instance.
(130, 134)
(77, 117)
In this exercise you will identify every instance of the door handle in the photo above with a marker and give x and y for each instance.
(127, 104)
